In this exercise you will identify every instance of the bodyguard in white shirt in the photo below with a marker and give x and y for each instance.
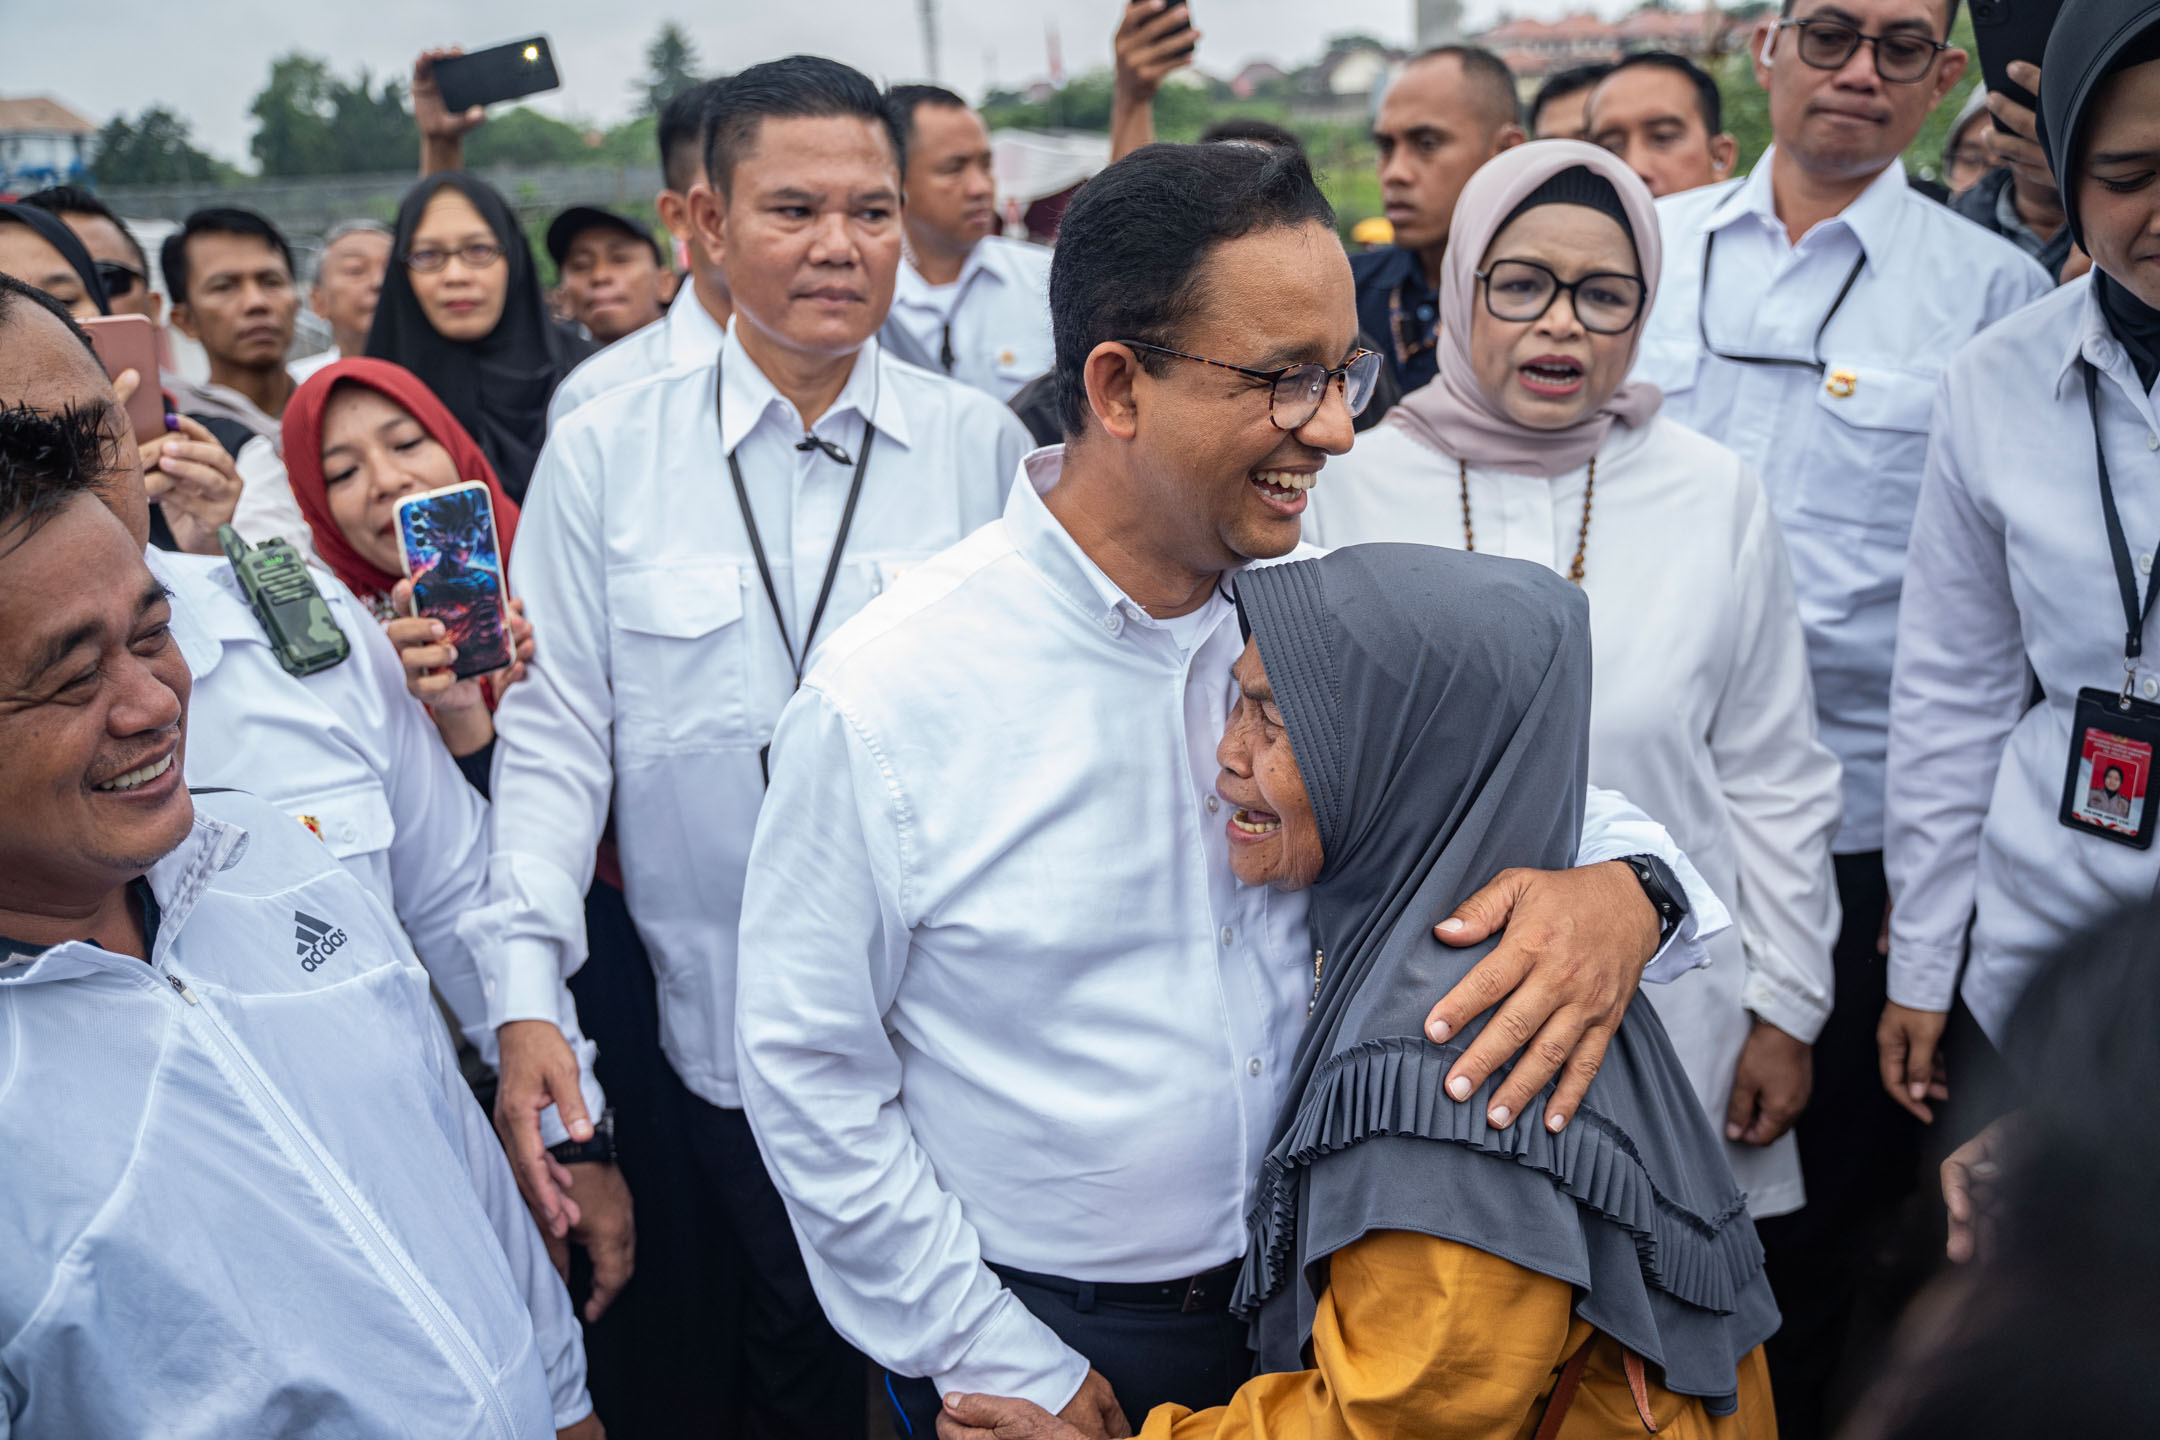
(969, 303)
(1012, 1035)
(228, 1103)
(690, 539)
(690, 332)
(2023, 667)
(1805, 313)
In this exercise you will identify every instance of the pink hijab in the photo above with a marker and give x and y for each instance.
(1452, 414)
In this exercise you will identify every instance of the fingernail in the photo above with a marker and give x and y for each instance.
(1459, 1087)
(952, 1400)
(1439, 1031)
(1499, 1115)
(435, 628)
(583, 1129)
(172, 422)
(1450, 925)
(1918, 1090)
(1556, 1122)
(1732, 1132)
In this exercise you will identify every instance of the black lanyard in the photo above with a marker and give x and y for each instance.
(2134, 618)
(945, 356)
(832, 565)
(1816, 363)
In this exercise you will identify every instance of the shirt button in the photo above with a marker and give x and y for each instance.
(1228, 935)
(1252, 1066)
(2145, 562)
(1112, 623)
(2152, 441)
(1212, 804)
(2152, 688)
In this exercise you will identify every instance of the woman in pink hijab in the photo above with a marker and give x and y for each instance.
(1533, 443)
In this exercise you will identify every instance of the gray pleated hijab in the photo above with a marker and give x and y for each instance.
(1438, 703)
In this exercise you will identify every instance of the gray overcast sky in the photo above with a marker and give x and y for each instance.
(207, 58)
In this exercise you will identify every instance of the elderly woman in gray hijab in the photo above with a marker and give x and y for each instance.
(2021, 677)
(1412, 721)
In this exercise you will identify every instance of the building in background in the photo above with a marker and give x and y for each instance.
(42, 142)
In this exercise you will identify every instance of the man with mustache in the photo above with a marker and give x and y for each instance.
(689, 539)
(1805, 314)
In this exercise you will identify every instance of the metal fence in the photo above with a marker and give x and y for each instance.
(305, 208)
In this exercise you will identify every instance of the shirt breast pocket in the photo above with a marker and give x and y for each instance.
(1876, 448)
(680, 671)
(351, 820)
(1672, 367)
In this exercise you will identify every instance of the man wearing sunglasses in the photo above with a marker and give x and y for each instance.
(1010, 1033)
(1804, 315)
(120, 261)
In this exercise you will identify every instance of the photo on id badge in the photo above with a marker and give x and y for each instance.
(2114, 773)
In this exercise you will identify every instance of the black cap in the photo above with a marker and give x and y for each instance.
(576, 220)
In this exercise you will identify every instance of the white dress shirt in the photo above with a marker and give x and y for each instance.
(307, 365)
(1840, 456)
(1001, 996)
(660, 669)
(351, 756)
(266, 509)
(1700, 712)
(686, 335)
(2011, 579)
(998, 311)
(248, 1192)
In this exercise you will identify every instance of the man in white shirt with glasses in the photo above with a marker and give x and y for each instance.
(1805, 313)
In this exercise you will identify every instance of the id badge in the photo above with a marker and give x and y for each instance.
(2108, 789)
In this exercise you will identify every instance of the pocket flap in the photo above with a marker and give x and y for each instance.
(679, 602)
(353, 820)
(1873, 398)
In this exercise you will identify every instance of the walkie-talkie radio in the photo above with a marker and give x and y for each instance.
(286, 603)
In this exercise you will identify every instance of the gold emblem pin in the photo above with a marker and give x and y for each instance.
(1841, 383)
(314, 826)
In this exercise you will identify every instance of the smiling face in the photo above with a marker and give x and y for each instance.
(951, 197)
(1849, 123)
(374, 454)
(1274, 839)
(1222, 483)
(463, 302)
(2118, 185)
(808, 233)
(1548, 373)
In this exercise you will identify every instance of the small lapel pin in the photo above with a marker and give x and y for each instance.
(1841, 383)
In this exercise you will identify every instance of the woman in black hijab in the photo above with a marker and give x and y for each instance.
(1412, 721)
(461, 308)
(37, 248)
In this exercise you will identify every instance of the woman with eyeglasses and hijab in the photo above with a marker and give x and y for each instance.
(1532, 443)
(462, 309)
(1409, 723)
(2022, 674)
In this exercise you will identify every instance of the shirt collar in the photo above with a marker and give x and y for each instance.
(1395, 265)
(1047, 546)
(748, 398)
(981, 261)
(693, 335)
(2095, 344)
(1871, 217)
(212, 846)
(206, 616)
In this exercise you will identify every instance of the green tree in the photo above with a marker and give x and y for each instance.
(310, 122)
(524, 136)
(155, 149)
(671, 67)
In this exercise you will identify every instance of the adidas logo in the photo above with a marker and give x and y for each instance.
(319, 939)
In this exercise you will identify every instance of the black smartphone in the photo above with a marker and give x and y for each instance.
(2007, 30)
(1186, 29)
(505, 72)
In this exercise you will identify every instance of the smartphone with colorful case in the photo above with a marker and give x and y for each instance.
(451, 556)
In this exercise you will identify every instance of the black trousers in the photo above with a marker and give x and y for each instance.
(662, 1361)
(1151, 1354)
(798, 1380)
(1842, 1258)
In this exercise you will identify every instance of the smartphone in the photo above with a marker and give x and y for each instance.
(522, 67)
(2007, 30)
(129, 342)
(1186, 29)
(448, 540)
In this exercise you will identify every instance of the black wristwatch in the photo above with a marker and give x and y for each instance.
(1662, 887)
(600, 1148)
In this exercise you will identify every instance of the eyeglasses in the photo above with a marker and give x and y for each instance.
(1901, 56)
(477, 256)
(1295, 391)
(119, 279)
(1521, 290)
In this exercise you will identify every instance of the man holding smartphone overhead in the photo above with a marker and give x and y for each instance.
(1805, 314)
(689, 539)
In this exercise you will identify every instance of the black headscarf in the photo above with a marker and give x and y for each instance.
(1438, 704)
(2092, 40)
(54, 231)
(497, 386)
